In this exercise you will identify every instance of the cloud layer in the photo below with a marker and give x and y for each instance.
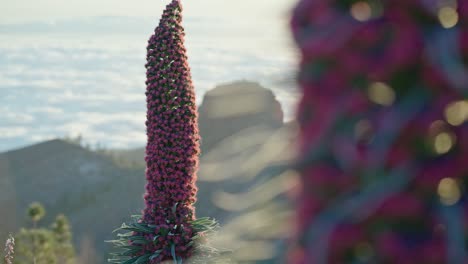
(91, 82)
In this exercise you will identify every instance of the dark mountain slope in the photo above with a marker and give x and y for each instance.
(89, 188)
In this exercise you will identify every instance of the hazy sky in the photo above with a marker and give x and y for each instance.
(240, 11)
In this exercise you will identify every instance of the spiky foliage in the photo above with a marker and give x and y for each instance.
(167, 230)
(384, 131)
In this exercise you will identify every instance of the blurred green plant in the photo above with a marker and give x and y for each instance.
(42, 245)
(61, 230)
(36, 212)
(35, 246)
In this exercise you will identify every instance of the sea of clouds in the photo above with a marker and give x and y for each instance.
(86, 76)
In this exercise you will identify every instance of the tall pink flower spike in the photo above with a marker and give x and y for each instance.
(168, 229)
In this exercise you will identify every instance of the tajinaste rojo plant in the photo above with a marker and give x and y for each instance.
(383, 131)
(168, 229)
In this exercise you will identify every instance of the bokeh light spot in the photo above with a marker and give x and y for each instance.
(448, 16)
(443, 142)
(381, 93)
(449, 191)
(361, 11)
(456, 113)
